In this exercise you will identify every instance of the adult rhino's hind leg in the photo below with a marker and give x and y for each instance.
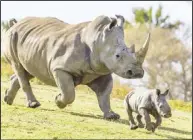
(102, 86)
(23, 79)
(65, 83)
(11, 92)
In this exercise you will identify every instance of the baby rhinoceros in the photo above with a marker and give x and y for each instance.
(144, 103)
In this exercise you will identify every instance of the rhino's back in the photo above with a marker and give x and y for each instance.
(40, 40)
(139, 99)
(40, 23)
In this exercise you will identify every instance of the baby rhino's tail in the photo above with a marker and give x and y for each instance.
(126, 101)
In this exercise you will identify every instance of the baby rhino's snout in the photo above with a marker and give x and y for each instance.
(167, 115)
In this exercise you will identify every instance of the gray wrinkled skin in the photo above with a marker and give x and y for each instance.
(66, 55)
(144, 103)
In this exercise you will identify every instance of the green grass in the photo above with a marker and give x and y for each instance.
(82, 119)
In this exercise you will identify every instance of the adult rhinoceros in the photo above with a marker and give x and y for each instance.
(66, 55)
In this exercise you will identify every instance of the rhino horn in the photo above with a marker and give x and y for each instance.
(142, 52)
(132, 48)
(120, 20)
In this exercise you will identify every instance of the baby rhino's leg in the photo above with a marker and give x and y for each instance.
(130, 116)
(157, 118)
(138, 118)
(148, 124)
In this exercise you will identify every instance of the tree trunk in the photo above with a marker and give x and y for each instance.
(185, 96)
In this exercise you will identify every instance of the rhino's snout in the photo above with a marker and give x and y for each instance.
(135, 74)
(167, 115)
(129, 73)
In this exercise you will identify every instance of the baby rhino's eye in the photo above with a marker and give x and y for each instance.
(161, 106)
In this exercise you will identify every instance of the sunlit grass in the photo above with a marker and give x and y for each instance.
(82, 119)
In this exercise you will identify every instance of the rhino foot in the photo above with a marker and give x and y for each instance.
(133, 127)
(140, 125)
(151, 127)
(33, 104)
(8, 99)
(59, 103)
(111, 115)
(154, 127)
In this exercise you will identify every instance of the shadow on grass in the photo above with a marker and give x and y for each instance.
(125, 122)
(122, 121)
(175, 130)
(45, 109)
(170, 137)
(85, 115)
(161, 135)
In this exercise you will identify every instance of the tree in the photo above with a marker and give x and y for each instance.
(168, 61)
(145, 16)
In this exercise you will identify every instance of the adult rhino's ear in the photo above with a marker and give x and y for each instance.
(112, 24)
(158, 92)
(120, 20)
(166, 92)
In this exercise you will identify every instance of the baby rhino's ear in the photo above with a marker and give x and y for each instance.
(166, 92)
(158, 92)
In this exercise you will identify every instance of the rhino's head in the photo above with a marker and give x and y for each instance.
(116, 56)
(161, 104)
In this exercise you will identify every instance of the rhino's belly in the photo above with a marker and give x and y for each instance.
(41, 74)
(38, 68)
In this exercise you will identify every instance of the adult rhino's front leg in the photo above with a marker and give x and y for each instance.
(65, 83)
(102, 86)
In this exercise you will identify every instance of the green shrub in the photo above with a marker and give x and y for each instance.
(6, 70)
(181, 105)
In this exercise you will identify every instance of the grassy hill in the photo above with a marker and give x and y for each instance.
(82, 119)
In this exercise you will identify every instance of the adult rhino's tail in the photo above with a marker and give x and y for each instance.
(9, 24)
(5, 26)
